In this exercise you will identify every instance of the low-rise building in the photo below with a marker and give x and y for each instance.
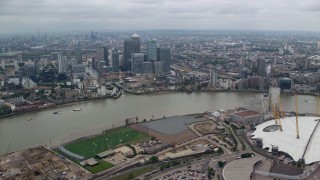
(247, 117)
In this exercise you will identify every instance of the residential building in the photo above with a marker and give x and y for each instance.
(103, 55)
(213, 78)
(261, 67)
(62, 63)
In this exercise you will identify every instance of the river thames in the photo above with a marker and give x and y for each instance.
(44, 127)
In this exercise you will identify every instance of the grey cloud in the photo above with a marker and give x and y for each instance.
(310, 6)
(146, 14)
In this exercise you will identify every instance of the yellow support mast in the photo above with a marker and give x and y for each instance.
(274, 114)
(297, 122)
(317, 104)
(280, 112)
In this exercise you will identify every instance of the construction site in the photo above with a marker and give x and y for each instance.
(39, 163)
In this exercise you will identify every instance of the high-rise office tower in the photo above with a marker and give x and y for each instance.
(115, 60)
(94, 63)
(261, 67)
(164, 55)
(62, 63)
(102, 55)
(147, 67)
(158, 67)
(136, 43)
(37, 66)
(152, 50)
(78, 54)
(213, 78)
(127, 54)
(137, 60)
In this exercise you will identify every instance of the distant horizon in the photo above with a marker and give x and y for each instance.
(42, 32)
(21, 16)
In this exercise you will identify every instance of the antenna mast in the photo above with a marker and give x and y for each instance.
(297, 122)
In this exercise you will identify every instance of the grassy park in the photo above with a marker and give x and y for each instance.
(89, 147)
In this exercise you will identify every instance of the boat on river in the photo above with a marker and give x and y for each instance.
(57, 112)
(76, 109)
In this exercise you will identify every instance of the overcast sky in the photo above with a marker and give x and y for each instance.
(59, 15)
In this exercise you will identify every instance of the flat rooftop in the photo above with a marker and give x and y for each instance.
(91, 162)
(105, 153)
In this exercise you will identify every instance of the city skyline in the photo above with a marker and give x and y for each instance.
(20, 16)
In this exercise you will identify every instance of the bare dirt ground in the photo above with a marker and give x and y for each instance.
(179, 138)
(206, 127)
(189, 146)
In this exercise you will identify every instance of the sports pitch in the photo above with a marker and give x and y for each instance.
(89, 147)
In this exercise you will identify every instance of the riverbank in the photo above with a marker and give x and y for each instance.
(66, 104)
(59, 105)
(218, 90)
(98, 114)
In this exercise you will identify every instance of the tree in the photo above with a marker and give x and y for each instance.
(154, 159)
(198, 87)
(130, 176)
(221, 163)
(4, 110)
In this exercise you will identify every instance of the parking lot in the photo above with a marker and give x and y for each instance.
(171, 125)
(185, 174)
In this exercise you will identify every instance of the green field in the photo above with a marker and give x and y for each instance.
(108, 140)
(103, 165)
(133, 174)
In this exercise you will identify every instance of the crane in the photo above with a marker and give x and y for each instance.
(297, 121)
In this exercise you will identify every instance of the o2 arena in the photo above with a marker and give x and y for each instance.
(300, 139)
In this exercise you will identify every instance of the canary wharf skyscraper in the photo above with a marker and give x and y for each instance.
(136, 43)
